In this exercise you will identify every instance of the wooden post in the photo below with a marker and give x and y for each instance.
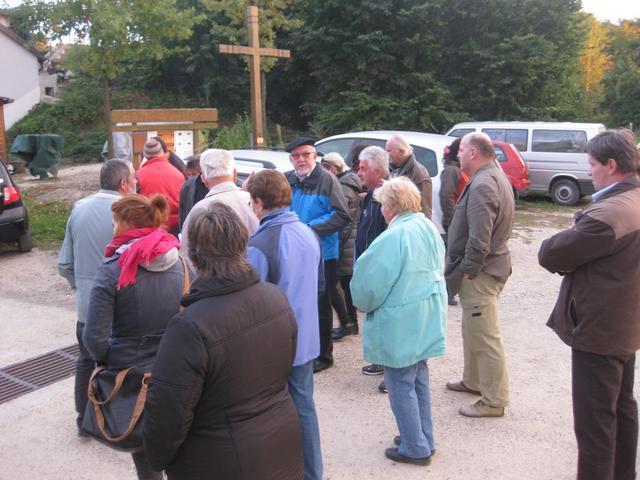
(255, 52)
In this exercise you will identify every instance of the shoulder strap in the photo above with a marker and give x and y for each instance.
(187, 279)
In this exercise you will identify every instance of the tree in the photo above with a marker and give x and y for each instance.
(370, 66)
(425, 64)
(28, 24)
(622, 81)
(594, 61)
(512, 59)
(116, 33)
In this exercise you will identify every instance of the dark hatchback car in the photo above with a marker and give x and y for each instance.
(14, 218)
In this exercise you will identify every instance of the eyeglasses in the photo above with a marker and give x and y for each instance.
(305, 155)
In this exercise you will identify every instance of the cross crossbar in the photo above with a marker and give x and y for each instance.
(262, 51)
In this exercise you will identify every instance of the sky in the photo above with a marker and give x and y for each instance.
(612, 10)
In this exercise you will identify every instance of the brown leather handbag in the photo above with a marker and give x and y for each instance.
(116, 403)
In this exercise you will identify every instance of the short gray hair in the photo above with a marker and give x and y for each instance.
(401, 143)
(217, 163)
(377, 157)
(113, 172)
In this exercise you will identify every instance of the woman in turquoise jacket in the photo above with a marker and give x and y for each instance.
(398, 282)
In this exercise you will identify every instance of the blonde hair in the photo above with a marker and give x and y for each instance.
(400, 195)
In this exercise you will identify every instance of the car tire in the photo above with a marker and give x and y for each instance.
(565, 192)
(25, 243)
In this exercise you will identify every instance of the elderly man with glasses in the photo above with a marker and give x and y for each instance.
(318, 200)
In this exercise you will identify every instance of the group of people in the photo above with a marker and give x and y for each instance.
(226, 295)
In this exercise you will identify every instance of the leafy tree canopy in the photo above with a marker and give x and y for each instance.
(422, 65)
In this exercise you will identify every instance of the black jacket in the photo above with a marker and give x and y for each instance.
(351, 187)
(218, 404)
(371, 224)
(192, 191)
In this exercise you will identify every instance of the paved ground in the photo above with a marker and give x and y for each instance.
(533, 441)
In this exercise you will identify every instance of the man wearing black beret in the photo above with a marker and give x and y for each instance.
(318, 200)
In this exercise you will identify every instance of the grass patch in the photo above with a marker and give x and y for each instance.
(47, 221)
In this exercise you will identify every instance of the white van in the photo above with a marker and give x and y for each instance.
(554, 152)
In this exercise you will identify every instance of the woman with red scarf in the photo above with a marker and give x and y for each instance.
(135, 293)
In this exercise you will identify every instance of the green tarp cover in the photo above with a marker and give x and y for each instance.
(41, 153)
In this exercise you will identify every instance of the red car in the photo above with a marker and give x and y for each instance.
(514, 166)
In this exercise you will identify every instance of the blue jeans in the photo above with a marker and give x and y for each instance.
(301, 391)
(411, 405)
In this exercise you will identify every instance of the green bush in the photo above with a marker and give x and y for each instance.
(76, 118)
(234, 136)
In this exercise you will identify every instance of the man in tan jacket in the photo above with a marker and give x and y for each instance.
(477, 267)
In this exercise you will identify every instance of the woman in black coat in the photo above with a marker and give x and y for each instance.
(218, 405)
(135, 293)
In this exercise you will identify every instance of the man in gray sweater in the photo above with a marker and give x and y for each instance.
(478, 265)
(89, 230)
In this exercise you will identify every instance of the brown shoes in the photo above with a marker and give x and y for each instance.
(461, 387)
(481, 409)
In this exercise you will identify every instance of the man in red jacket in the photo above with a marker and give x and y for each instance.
(598, 309)
(157, 175)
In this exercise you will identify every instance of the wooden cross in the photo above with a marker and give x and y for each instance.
(255, 52)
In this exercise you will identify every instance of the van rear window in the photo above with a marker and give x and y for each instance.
(559, 141)
(516, 136)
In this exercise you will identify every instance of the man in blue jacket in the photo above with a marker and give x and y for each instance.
(284, 251)
(318, 200)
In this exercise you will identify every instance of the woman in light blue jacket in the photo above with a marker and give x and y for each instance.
(399, 282)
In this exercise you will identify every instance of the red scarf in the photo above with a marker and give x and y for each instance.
(152, 243)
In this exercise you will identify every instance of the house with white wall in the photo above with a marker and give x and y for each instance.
(19, 80)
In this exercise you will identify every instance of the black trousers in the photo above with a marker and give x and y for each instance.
(143, 469)
(325, 311)
(84, 368)
(352, 311)
(605, 415)
(342, 302)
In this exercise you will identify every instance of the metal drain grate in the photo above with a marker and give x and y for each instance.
(37, 372)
